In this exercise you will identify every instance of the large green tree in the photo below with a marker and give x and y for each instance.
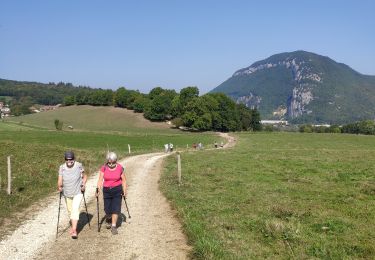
(245, 117)
(186, 95)
(160, 105)
(255, 124)
(226, 117)
(101, 97)
(199, 111)
(21, 106)
(121, 97)
(141, 103)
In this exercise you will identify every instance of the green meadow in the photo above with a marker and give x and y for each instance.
(274, 195)
(95, 119)
(37, 150)
(278, 196)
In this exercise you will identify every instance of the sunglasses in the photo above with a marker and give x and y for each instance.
(69, 159)
(111, 163)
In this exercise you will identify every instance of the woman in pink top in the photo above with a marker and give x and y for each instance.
(113, 182)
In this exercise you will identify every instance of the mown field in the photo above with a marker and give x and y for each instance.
(36, 154)
(95, 119)
(279, 196)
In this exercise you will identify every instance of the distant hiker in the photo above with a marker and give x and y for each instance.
(166, 148)
(215, 144)
(200, 146)
(194, 145)
(171, 147)
(222, 144)
(113, 182)
(71, 182)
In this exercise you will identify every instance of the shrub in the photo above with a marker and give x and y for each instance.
(58, 124)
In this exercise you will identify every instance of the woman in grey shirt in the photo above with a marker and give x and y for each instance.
(71, 182)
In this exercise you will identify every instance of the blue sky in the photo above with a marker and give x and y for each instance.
(174, 44)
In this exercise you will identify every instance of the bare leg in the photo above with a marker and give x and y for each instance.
(114, 219)
(74, 225)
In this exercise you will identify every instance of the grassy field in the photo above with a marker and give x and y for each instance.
(139, 142)
(95, 119)
(279, 196)
(36, 153)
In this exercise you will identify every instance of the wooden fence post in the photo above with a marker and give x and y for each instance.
(129, 148)
(9, 177)
(179, 168)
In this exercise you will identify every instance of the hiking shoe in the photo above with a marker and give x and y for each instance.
(114, 230)
(74, 235)
(108, 223)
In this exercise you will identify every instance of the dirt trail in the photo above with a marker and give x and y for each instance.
(231, 141)
(153, 233)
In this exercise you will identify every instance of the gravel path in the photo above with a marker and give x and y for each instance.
(231, 141)
(154, 232)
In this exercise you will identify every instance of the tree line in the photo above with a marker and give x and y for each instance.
(25, 94)
(212, 111)
(39, 93)
(366, 127)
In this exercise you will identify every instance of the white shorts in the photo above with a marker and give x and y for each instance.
(73, 205)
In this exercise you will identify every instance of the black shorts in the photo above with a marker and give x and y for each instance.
(112, 199)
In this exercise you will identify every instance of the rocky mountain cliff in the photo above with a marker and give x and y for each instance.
(303, 87)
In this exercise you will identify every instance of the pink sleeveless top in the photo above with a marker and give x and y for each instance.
(112, 177)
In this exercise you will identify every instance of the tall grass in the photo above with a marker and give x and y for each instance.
(279, 195)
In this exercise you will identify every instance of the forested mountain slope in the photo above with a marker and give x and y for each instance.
(303, 87)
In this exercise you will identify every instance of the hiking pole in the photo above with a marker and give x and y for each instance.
(87, 213)
(97, 207)
(58, 216)
(126, 204)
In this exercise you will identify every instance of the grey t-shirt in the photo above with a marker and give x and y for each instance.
(72, 178)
